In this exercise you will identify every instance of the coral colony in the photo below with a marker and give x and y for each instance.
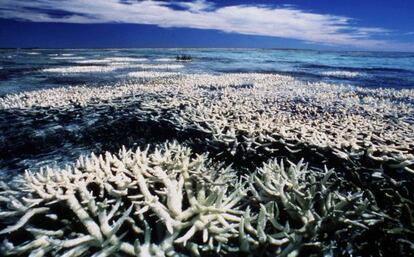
(251, 165)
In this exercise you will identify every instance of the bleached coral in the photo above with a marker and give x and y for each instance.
(299, 208)
(72, 95)
(135, 203)
(259, 114)
(171, 202)
(263, 117)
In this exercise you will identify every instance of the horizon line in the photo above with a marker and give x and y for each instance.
(206, 48)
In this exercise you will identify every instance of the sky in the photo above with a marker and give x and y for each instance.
(377, 25)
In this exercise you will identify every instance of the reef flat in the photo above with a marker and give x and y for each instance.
(238, 164)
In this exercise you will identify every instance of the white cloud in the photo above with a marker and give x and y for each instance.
(195, 6)
(284, 22)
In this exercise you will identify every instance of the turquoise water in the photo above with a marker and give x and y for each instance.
(22, 70)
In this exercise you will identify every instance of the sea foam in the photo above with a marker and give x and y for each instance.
(151, 74)
(125, 59)
(67, 58)
(92, 61)
(81, 69)
(343, 74)
(165, 60)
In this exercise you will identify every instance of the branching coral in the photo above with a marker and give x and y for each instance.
(251, 116)
(134, 203)
(300, 208)
(171, 202)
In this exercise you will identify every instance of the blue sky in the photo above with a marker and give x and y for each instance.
(321, 24)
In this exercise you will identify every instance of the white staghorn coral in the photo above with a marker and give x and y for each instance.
(116, 204)
(171, 202)
(264, 117)
(299, 207)
(261, 114)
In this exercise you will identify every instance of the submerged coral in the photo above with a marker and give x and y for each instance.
(171, 202)
(260, 115)
(135, 203)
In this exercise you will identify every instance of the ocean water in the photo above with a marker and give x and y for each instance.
(361, 207)
(23, 70)
(34, 139)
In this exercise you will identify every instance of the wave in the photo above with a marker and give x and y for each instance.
(298, 74)
(92, 61)
(343, 74)
(384, 69)
(81, 69)
(84, 67)
(7, 73)
(125, 59)
(157, 66)
(165, 60)
(32, 53)
(152, 74)
(68, 58)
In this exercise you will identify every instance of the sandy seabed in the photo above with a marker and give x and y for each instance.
(213, 165)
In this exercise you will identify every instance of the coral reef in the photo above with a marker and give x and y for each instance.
(171, 202)
(278, 134)
(111, 203)
(366, 128)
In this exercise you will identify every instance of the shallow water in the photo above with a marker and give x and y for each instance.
(31, 140)
(22, 70)
(138, 97)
